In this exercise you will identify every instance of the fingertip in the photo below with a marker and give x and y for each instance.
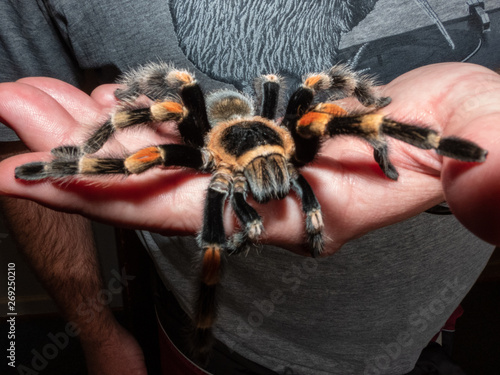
(105, 95)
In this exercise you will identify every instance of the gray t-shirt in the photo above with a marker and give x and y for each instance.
(373, 306)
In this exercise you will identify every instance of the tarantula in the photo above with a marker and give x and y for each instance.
(245, 150)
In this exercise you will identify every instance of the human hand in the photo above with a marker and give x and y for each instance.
(454, 99)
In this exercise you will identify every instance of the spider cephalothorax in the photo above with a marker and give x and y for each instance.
(245, 150)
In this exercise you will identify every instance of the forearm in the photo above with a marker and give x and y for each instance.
(60, 249)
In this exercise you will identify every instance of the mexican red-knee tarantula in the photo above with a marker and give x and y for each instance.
(245, 150)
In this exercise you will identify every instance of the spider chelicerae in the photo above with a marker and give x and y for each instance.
(245, 149)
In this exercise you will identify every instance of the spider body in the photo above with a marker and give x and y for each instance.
(247, 151)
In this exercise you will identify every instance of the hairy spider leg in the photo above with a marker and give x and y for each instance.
(312, 210)
(211, 240)
(68, 161)
(171, 155)
(305, 148)
(63, 167)
(268, 87)
(250, 220)
(381, 156)
(126, 117)
(327, 119)
(152, 80)
(425, 138)
(345, 82)
(194, 125)
(192, 118)
(340, 82)
(452, 147)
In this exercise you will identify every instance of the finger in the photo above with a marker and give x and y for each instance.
(37, 118)
(78, 104)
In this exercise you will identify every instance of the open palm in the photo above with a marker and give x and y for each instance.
(454, 99)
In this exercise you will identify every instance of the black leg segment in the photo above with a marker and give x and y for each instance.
(212, 239)
(195, 125)
(248, 217)
(381, 155)
(171, 155)
(314, 219)
(461, 149)
(305, 149)
(270, 99)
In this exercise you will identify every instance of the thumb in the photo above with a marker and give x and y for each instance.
(473, 190)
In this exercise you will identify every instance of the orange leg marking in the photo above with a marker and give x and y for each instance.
(144, 159)
(146, 155)
(313, 124)
(312, 80)
(313, 117)
(172, 107)
(184, 77)
(332, 109)
(210, 272)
